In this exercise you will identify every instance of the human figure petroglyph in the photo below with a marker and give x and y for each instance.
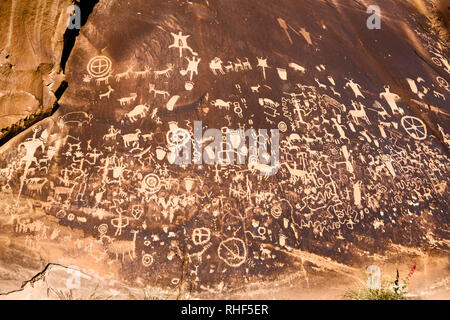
(355, 87)
(340, 129)
(112, 133)
(262, 63)
(156, 92)
(119, 222)
(192, 67)
(391, 99)
(31, 146)
(180, 42)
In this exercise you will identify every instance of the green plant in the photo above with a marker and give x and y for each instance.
(61, 295)
(387, 291)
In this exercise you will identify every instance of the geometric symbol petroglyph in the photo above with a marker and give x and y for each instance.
(99, 66)
(151, 183)
(415, 127)
(233, 252)
(147, 260)
(201, 236)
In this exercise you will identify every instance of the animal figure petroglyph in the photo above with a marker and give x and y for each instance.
(219, 103)
(359, 114)
(107, 94)
(127, 100)
(125, 74)
(139, 110)
(59, 191)
(230, 67)
(296, 173)
(255, 89)
(380, 109)
(246, 64)
(297, 67)
(238, 66)
(78, 118)
(160, 92)
(104, 79)
(216, 66)
(166, 72)
(36, 184)
(123, 247)
(131, 138)
(263, 168)
(141, 74)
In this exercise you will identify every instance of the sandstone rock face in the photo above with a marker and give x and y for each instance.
(31, 45)
(360, 177)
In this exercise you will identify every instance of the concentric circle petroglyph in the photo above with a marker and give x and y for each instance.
(151, 183)
(147, 260)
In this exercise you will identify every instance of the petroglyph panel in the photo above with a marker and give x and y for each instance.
(361, 165)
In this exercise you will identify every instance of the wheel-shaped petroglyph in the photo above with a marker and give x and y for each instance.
(99, 66)
(201, 236)
(233, 252)
(415, 127)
